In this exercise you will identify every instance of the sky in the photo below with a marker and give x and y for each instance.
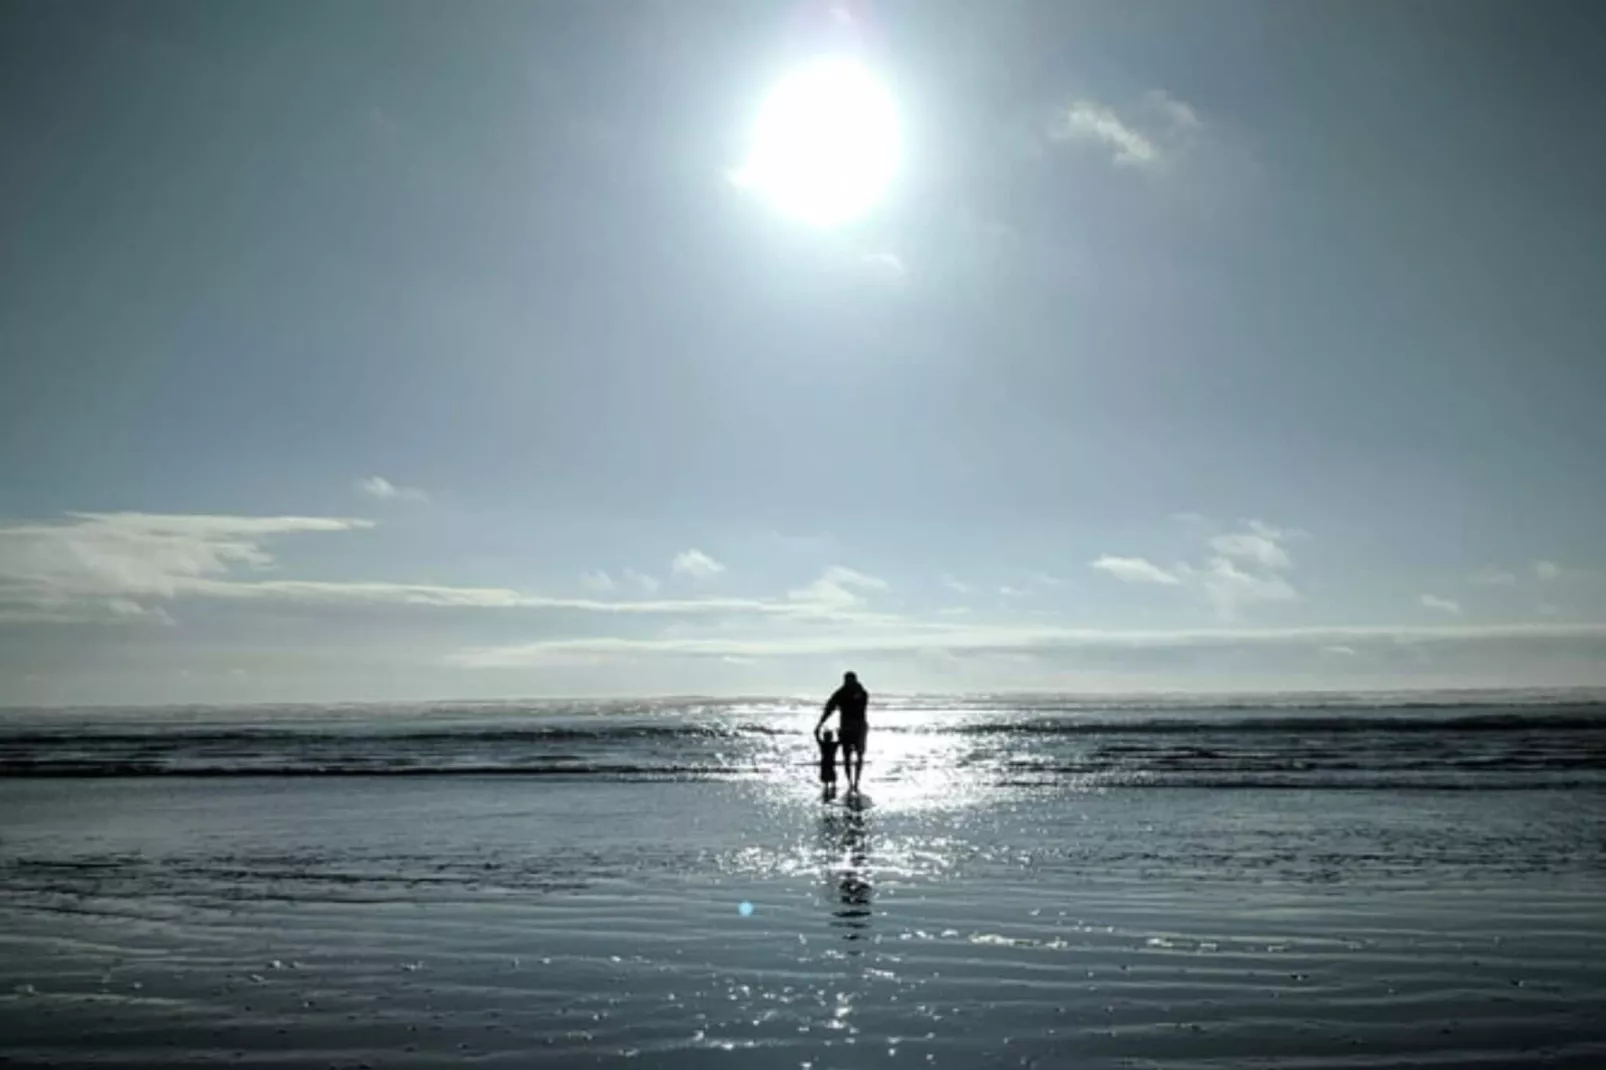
(381, 351)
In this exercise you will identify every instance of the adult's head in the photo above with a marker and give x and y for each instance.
(850, 679)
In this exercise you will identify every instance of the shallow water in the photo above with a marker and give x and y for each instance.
(342, 921)
(973, 913)
(1477, 741)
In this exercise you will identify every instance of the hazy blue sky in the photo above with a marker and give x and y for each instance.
(368, 350)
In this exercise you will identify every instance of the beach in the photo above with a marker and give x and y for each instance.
(683, 897)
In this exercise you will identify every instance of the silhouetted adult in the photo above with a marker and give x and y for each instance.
(849, 702)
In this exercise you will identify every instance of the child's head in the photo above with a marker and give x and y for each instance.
(828, 736)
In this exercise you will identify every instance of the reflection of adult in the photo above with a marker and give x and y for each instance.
(849, 702)
(853, 882)
(845, 846)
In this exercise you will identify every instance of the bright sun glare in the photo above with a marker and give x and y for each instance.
(825, 146)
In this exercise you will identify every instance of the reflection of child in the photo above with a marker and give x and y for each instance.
(828, 746)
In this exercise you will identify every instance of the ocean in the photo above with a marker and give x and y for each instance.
(1321, 881)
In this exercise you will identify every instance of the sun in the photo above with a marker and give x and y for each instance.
(824, 148)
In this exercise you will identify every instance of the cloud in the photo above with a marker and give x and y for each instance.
(1134, 570)
(384, 490)
(1442, 605)
(315, 592)
(109, 566)
(1245, 567)
(1230, 588)
(804, 544)
(956, 585)
(603, 582)
(911, 637)
(1340, 650)
(641, 581)
(885, 267)
(123, 567)
(1084, 120)
(1155, 128)
(332, 592)
(1179, 115)
(838, 588)
(1543, 572)
(696, 565)
(1261, 545)
(598, 581)
(1494, 577)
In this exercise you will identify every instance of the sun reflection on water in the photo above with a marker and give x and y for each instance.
(923, 784)
(913, 761)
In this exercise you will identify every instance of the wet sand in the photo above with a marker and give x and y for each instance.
(387, 922)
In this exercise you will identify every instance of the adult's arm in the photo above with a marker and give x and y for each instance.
(830, 708)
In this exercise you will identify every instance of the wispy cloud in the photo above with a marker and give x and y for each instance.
(121, 567)
(1440, 605)
(1178, 114)
(1495, 577)
(838, 588)
(885, 267)
(911, 637)
(956, 585)
(804, 544)
(641, 581)
(696, 565)
(316, 592)
(1231, 587)
(1149, 133)
(1261, 545)
(1083, 120)
(603, 582)
(1242, 568)
(1135, 570)
(1540, 571)
(110, 566)
(598, 581)
(382, 489)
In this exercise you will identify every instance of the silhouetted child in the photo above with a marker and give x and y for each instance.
(828, 746)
